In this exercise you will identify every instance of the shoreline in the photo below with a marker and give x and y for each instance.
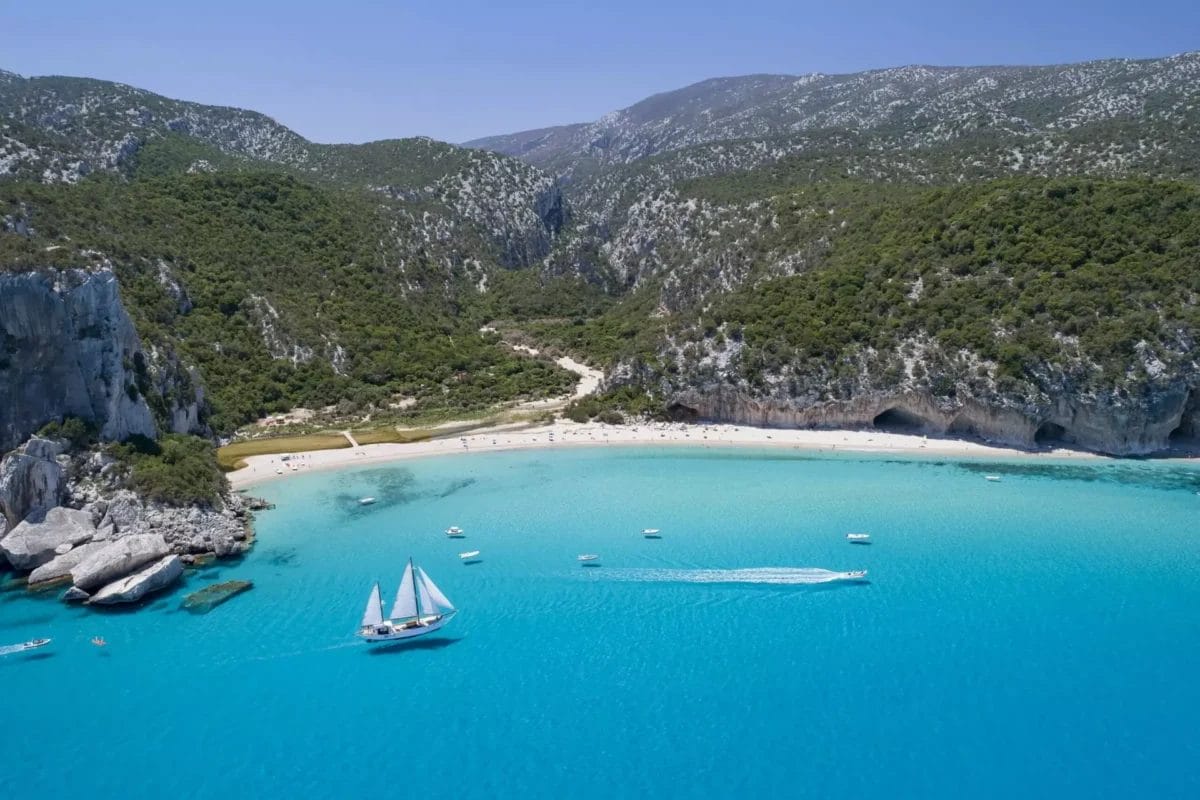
(261, 469)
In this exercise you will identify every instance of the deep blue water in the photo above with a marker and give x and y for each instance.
(1036, 637)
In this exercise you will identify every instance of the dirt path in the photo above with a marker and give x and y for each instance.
(589, 378)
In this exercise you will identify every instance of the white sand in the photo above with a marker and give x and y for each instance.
(569, 434)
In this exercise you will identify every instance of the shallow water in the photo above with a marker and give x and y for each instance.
(1035, 636)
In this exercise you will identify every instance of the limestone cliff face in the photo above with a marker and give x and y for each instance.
(1153, 423)
(68, 348)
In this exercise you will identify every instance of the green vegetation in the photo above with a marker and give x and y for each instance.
(281, 281)
(1017, 272)
(1023, 273)
(177, 470)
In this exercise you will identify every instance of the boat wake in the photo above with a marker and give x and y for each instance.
(777, 576)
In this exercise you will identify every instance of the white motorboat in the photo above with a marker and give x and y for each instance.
(993, 478)
(469, 555)
(32, 644)
(858, 538)
(854, 575)
(586, 558)
(420, 609)
(651, 533)
(455, 532)
(366, 501)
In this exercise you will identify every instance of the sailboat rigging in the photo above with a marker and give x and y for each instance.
(420, 608)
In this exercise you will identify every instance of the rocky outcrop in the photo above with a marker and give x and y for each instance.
(221, 531)
(36, 539)
(118, 559)
(157, 576)
(1106, 424)
(60, 566)
(30, 479)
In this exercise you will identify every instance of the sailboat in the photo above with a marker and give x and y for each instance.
(420, 608)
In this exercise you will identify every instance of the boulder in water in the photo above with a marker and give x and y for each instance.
(210, 597)
(117, 559)
(159, 575)
(61, 565)
(75, 595)
(33, 542)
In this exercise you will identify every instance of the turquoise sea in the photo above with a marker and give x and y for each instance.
(1033, 637)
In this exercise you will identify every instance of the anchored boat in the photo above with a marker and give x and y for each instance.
(455, 532)
(420, 608)
(858, 538)
(651, 533)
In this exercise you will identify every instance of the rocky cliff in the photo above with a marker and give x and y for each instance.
(69, 349)
(1155, 423)
(68, 519)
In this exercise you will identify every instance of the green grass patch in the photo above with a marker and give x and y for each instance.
(232, 456)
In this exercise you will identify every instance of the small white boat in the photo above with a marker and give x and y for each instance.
(586, 557)
(469, 555)
(855, 575)
(32, 644)
(366, 501)
(420, 609)
(455, 532)
(651, 533)
(858, 538)
(993, 478)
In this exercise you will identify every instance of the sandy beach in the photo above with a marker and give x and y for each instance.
(564, 433)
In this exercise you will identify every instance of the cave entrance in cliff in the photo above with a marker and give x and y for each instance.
(678, 412)
(899, 420)
(1186, 436)
(1050, 434)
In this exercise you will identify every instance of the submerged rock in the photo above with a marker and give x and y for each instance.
(157, 576)
(33, 542)
(210, 597)
(118, 559)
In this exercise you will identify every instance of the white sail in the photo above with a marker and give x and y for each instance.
(428, 606)
(434, 592)
(406, 599)
(373, 613)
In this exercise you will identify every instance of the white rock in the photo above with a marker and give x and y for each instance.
(160, 574)
(60, 566)
(33, 542)
(117, 559)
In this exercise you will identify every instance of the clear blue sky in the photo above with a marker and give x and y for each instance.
(355, 71)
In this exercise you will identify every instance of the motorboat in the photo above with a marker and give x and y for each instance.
(366, 501)
(469, 555)
(32, 644)
(455, 532)
(993, 478)
(587, 558)
(651, 533)
(855, 575)
(420, 609)
(858, 538)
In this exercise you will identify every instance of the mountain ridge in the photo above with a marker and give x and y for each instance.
(766, 104)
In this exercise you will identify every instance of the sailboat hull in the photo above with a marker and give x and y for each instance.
(397, 630)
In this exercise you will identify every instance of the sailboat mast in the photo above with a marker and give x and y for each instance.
(416, 594)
